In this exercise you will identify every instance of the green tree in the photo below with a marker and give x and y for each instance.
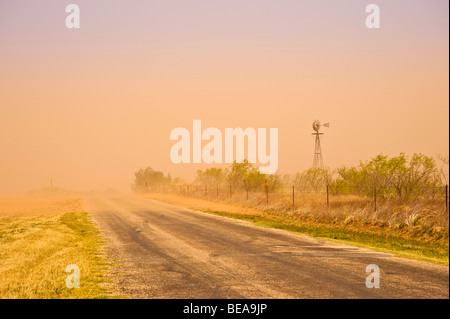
(421, 176)
(211, 177)
(397, 176)
(148, 179)
(253, 179)
(238, 173)
(315, 179)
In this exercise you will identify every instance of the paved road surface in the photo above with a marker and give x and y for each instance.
(166, 251)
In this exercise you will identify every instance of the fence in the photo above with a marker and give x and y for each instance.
(326, 195)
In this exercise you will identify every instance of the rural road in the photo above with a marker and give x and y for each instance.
(166, 251)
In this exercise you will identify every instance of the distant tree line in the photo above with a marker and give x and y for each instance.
(398, 176)
(239, 176)
(148, 179)
(390, 177)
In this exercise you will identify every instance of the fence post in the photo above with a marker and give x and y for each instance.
(230, 192)
(328, 198)
(247, 193)
(293, 197)
(206, 190)
(217, 191)
(446, 198)
(267, 195)
(375, 198)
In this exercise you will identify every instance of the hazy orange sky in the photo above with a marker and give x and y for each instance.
(87, 107)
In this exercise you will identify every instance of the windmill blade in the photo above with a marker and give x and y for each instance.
(327, 125)
(316, 125)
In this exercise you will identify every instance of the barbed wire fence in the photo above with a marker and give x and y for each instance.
(328, 195)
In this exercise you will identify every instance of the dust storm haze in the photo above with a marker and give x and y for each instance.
(87, 107)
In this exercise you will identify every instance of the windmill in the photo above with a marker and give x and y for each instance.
(318, 159)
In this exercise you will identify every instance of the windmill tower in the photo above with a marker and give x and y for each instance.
(318, 159)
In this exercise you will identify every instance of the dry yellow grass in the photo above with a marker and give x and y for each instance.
(39, 238)
(427, 213)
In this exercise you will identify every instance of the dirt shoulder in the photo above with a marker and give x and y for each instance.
(33, 206)
(203, 204)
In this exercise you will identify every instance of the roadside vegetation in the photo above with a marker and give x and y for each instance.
(35, 251)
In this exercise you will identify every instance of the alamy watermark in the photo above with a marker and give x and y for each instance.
(373, 19)
(213, 152)
(373, 279)
(73, 280)
(73, 19)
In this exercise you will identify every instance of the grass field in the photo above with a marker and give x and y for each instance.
(415, 239)
(35, 251)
